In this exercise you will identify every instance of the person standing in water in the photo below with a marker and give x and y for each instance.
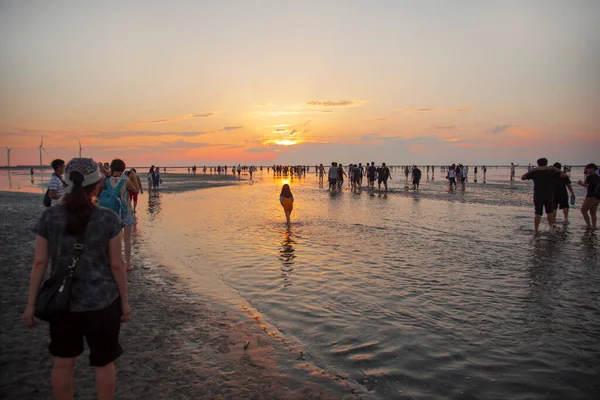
(451, 176)
(561, 197)
(512, 172)
(150, 177)
(135, 180)
(462, 174)
(592, 183)
(287, 202)
(416, 173)
(543, 191)
(321, 170)
(383, 173)
(333, 176)
(341, 174)
(371, 175)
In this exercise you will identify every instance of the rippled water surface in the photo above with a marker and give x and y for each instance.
(412, 295)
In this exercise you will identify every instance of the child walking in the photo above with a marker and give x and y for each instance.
(287, 201)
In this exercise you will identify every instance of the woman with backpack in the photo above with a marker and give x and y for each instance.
(77, 234)
(115, 196)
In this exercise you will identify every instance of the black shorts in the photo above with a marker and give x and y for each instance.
(562, 202)
(416, 181)
(544, 204)
(380, 181)
(332, 181)
(100, 328)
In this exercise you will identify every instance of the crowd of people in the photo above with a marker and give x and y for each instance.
(551, 185)
(224, 169)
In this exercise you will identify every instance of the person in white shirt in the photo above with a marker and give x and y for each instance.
(333, 176)
(56, 188)
(452, 177)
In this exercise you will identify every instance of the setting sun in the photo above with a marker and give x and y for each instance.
(286, 142)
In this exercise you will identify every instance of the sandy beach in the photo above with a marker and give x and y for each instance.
(177, 345)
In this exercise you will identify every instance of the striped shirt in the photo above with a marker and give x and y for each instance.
(56, 185)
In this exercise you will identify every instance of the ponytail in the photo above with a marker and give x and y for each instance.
(78, 205)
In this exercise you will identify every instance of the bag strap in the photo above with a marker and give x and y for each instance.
(78, 250)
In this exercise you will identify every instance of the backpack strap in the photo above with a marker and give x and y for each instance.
(120, 185)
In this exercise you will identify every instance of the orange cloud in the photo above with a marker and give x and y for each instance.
(173, 119)
(332, 103)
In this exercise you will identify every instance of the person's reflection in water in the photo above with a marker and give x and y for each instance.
(544, 286)
(589, 246)
(153, 204)
(9, 179)
(287, 257)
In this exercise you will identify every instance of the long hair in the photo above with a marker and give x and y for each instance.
(78, 205)
(286, 191)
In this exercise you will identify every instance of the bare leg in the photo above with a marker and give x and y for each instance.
(106, 381)
(584, 211)
(536, 222)
(127, 239)
(566, 214)
(62, 378)
(593, 212)
(551, 219)
(288, 214)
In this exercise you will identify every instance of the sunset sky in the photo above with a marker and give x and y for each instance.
(179, 83)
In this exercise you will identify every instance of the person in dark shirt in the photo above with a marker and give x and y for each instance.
(371, 174)
(592, 183)
(383, 173)
(416, 177)
(543, 191)
(561, 197)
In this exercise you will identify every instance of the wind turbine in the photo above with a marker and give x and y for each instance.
(8, 163)
(8, 155)
(41, 160)
(80, 148)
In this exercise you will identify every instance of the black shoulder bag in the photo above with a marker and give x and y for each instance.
(55, 294)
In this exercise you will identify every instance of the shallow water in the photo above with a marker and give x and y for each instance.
(411, 295)
(432, 294)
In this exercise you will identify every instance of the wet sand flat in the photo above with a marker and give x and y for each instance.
(177, 345)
